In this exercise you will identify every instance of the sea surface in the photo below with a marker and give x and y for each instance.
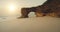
(31, 24)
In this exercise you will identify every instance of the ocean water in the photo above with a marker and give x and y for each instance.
(32, 24)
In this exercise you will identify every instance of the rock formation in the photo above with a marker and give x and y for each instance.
(50, 8)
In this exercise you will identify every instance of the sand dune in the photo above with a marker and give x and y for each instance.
(35, 24)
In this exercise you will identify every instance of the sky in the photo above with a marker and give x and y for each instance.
(18, 4)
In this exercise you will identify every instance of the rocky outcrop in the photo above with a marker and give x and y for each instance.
(50, 8)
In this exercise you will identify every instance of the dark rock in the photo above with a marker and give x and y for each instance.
(50, 7)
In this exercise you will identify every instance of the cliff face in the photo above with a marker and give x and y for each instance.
(50, 7)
